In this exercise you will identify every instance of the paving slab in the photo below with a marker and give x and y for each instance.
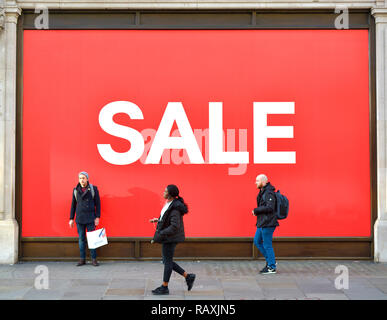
(215, 280)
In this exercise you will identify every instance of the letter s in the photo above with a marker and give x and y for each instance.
(133, 136)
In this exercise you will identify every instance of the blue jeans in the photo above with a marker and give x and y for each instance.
(264, 241)
(82, 239)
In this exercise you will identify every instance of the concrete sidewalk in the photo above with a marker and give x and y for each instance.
(215, 280)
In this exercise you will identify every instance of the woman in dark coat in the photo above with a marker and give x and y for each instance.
(169, 232)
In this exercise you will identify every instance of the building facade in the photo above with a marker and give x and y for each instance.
(24, 230)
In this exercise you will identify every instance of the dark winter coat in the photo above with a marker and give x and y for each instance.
(85, 207)
(265, 211)
(171, 227)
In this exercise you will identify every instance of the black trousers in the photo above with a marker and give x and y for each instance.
(168, 250)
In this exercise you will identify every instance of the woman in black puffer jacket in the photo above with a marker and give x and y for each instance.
(169, 232)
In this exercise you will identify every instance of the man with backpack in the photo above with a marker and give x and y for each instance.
(86, 203)
(266, 222)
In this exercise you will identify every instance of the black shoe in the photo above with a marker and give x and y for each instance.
(161, 290)
(81, 262)
(190, 280)
(268, 270)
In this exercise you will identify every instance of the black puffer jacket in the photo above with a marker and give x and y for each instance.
(171, 227)
(265, 211)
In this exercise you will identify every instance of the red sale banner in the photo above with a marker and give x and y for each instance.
(206, 110)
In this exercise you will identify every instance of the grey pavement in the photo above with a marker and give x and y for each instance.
(215, 280)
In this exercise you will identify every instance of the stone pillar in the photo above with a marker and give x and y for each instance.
(380, 228)
(9, 230)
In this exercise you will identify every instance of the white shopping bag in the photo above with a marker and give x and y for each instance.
(96, 238)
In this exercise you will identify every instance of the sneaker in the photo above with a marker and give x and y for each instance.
(268, 270)
(190, 280)
(264, 269)
(161, 290)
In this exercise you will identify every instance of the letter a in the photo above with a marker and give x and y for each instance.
(163, 140)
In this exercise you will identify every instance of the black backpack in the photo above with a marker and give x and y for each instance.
(282, 206)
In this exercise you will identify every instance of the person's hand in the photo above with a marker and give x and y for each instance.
(71, 223)
(253, 212)
(96, 221)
